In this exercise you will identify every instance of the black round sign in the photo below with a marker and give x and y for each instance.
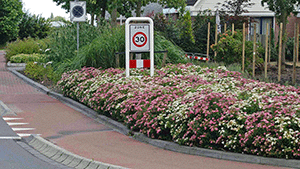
(77, 11)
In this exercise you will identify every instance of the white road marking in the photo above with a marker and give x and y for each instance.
(22, 129)
(10, 138)
(16, 128)
(16, 124)
(11, 118)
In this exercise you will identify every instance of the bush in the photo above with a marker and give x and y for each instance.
(41, 72)
(10, 16)
(63, 41)
(167, 27)
(101, 52)
(195, 106)
(33, 26)
(229, 49)
(26, 46)
(187, 41)
(25, 58)
(200, 28)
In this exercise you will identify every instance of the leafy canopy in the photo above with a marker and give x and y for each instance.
(10, 16)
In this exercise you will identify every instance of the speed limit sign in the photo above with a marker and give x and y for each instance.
(139, 37)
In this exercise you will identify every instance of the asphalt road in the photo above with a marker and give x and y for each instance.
(18, 155)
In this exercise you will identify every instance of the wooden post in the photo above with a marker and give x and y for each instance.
(270, 43)
(117, 60)
(225, 26)
(279, 53)
(164, 59)
(266, 50)
(297, 49)
(232, 29)
(254, 50)
(243, 52)
(208, 35)
(131, 56)
(216, 38)
(294, 55)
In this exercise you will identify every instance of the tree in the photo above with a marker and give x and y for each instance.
(123, 7)
(33, 26)
(232, 9)
(282, 10)
(10, 16)
(187, 41)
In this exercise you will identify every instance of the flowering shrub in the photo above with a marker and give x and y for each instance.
(229, 49)
(195, 106)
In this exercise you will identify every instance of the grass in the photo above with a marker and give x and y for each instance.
(2, 46)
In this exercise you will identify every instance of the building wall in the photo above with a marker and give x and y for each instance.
(290, 26)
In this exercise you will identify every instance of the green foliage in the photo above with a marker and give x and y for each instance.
(200, 29)
(274, 53)
(10, 15)
(101, 51)
(63, 41)
(289, 49)
(187, 41)
(179, 31)
(33, 26)
(25, 58)
(41, 72)
(26, 46)
(167, 27)
(229, 49)
(175, 53)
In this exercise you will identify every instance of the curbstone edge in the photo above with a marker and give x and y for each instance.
(167, 145)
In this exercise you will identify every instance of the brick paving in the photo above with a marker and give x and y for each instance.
(83, 136)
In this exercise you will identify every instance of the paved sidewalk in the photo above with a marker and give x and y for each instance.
(79, 134)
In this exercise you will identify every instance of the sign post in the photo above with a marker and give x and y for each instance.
(139, 37)
(78, 14)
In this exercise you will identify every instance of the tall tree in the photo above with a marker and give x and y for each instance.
(177, 4)
(123, 7)
(10, 16)
(236, 7)
(33, 26)
(282, 10)
(97, 7)
(232, 10)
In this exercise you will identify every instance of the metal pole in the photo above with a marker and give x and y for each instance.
(77, 37)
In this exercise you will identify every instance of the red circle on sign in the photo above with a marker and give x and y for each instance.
(135, 36)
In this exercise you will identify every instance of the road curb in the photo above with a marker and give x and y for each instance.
(63, 156)
(160, 143)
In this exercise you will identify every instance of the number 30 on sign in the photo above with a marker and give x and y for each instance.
(139, 37)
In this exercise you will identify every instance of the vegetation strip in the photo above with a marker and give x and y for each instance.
(173, 146)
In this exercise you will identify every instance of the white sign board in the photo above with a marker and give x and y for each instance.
(139, 37)
(78, 11)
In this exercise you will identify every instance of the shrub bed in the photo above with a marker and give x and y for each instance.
(41, 72)
(25, 46)
(24, 58)
(195, 106)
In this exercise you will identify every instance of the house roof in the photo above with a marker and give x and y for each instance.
(151, 7)
(191, 2)
(256, 10)
(57, 24)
